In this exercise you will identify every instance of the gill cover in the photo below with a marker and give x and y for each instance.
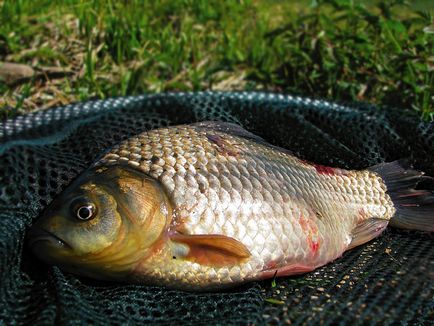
(103, 224)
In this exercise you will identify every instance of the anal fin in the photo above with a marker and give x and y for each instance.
(367, 230)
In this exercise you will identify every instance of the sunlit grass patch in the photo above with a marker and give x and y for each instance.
(381, 52)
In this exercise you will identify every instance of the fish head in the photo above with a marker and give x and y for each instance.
(106, 222)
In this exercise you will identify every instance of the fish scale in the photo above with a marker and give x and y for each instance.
(287, 212)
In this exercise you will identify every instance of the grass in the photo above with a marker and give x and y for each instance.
(379, 52)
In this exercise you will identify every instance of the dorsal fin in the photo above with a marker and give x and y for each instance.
(237, 130)
(229, 128)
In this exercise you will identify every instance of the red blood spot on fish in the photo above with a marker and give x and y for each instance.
(314, 246)
(325, 170)
(310, 228)
(303, 224)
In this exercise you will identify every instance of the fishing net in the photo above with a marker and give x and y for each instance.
(389, 280)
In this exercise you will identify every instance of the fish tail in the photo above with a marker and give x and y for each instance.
(414, 207)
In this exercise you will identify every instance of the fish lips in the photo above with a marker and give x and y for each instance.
(39, 237)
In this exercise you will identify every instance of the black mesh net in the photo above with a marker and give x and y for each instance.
(389, 280)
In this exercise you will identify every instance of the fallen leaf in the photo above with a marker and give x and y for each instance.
(274, 301)
(12, 73)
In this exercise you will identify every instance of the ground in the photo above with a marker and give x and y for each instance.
(375, 51)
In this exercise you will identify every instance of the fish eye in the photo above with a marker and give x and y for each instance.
(85, 213)
(83, 210)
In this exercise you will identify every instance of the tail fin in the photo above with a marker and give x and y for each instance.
(414, 207)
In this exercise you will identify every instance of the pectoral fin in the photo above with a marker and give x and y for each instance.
(212, 250)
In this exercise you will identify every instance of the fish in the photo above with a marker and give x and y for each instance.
(210, 205)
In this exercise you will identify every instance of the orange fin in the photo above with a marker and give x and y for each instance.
(213, 249)
(366, 231)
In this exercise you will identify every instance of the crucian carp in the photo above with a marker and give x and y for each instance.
(210, 205)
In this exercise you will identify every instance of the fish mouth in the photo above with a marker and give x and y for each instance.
(37, 235)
